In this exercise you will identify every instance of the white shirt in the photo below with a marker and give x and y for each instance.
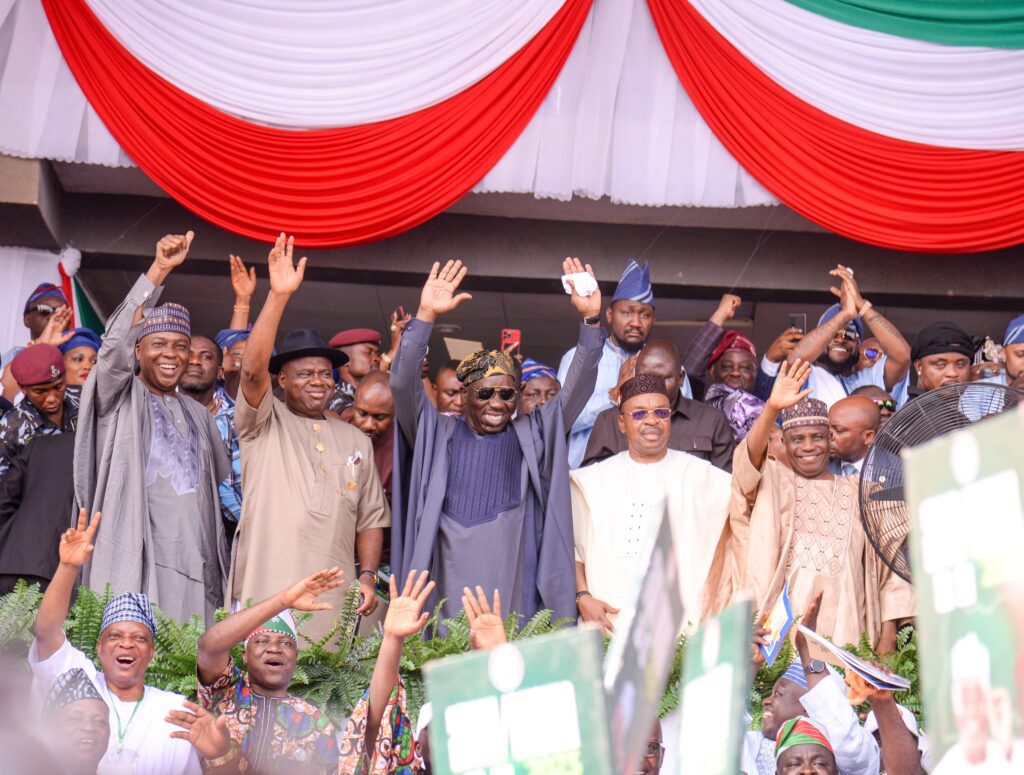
(148, 748)
(827, 387)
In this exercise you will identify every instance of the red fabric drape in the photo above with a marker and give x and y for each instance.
(863, 185)
(329, 187)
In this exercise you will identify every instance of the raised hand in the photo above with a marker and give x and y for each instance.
(786, 391)
(783, 345)
(848, 292)
(405, 613)
(243, 282)
(285, 275)
(596, 611)
(761, 638)
(76, 544)
(587, 306)
(302, 595)
(54, 332)
(172, 250)
(486, 627)
(207, 733)
(438, 295)
(726, 309)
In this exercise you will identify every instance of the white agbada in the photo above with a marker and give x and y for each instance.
(617, 504)
(148, 748)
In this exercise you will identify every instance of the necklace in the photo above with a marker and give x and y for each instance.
(122, 732)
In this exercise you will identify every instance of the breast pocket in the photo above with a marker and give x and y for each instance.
(699, 446)
(326, 497)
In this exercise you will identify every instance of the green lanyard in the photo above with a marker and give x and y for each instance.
(122, 732)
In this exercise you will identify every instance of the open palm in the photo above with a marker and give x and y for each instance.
(786, 391)
(303, 595)
(405, 612)
(207, 733)
(76, 544)
(285, 275)
(486, 627)
(587, 306)
(243, 281)
(439, 293)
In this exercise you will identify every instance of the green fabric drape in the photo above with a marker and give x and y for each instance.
(994, 23)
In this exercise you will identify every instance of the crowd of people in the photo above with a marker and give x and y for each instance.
(283, 468)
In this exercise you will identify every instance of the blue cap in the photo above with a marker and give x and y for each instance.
(81, 337)
(856, 324)
(795, 673)
(533, 369)
(1014, 332)
(45, 291)
(635, 284)
(229, 337)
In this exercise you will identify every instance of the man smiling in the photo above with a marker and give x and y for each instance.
(151, 458)
(803, 517)
(139, 737)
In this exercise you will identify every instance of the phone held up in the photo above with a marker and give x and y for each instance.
(798, 320)
(511, 338)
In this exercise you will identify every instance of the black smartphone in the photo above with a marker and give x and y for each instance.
(798, 320)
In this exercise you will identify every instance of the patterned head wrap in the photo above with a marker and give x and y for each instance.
(81, 337)
(37, 365)
(168, 317)
(1014, 332)
(733, 340)
(741, 408)
(801, 731)
(810, 411)
(129, 607)
(640, 384)
(856, 325)
(795, 673)
(635, 284)
(485, 363)
(45, 291)
(532, 369)
(283, 623)
(228, 337)
(942, 337)
(71, 686)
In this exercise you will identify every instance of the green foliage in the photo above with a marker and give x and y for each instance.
(674, 686)
(902, 662)
(82, 627)
(17, 614)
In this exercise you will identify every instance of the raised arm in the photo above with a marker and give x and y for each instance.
(697, 353)
(894, 345)
(285, 279)
(786, 392)
(437, 298)
(76, 547)
(811, 347)
(216, 643)
(405, 618)
(581, 377)
(243, 283)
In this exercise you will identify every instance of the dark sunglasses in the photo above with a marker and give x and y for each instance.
(44, 309)
(639, 415)
(487, 393)
(845, 333)
(885, 403)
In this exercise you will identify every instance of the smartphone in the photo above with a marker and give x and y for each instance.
(798, 320)
(399, 312)
(511, 338)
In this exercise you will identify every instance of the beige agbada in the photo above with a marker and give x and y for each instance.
(295, 520)
(778, 522)
(617, 504)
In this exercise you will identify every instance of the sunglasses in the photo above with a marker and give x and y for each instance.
(845, 333)
(639, 415)
(487, 393)
(45, 309)
(885, 403)
(871, 352)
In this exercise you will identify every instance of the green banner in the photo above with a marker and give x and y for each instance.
(964, 495)
(535, 707)
(995, 23)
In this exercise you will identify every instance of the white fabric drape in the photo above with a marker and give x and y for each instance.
(323, 63)
(952, 96)
(617, 122)
(22, 270)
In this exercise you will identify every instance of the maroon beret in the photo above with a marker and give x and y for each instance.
(37, 365)
(355, 336)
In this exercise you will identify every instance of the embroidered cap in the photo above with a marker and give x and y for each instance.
(810, 411)
(635, 284)
(129, 607)
(45, 291)
(168, 317)
(37, 365)
(795, 673)
(532, 370)
(640, 384)
(71, 686)
(283, 623)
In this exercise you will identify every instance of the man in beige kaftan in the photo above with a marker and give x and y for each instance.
(803, 521)
(311, 494)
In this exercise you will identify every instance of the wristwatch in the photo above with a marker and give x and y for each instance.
(581, 595)
(815, 666)
(592, 321)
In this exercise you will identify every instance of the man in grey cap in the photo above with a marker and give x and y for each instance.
(151, 459)
(140, 739)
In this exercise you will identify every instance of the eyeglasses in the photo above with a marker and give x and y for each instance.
(487, 393)
(885, 403)
(639, 415)
(654, 750)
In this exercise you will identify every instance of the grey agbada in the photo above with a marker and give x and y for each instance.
(153, 539)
